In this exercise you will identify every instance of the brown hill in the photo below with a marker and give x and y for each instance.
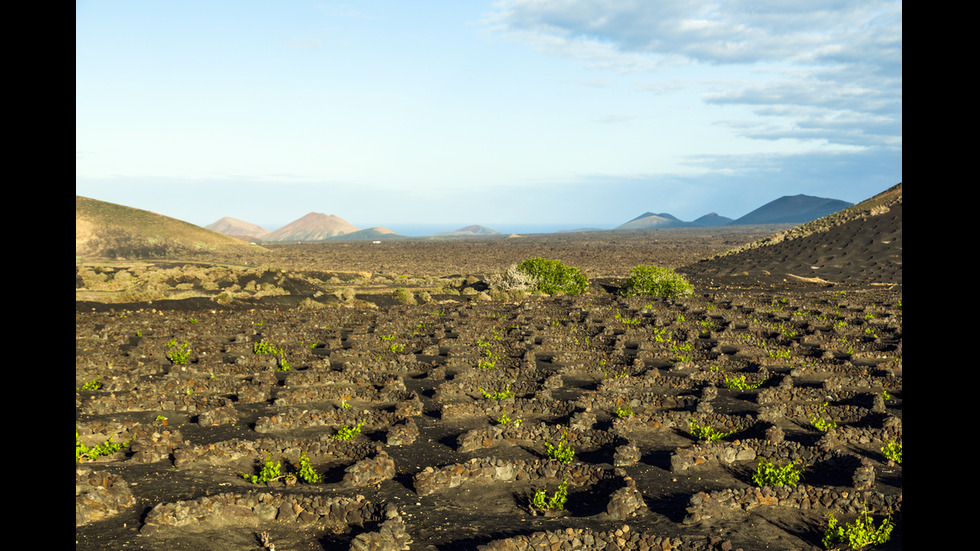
(238, 229)
(315, 226)
(107, 230)
(860, 245)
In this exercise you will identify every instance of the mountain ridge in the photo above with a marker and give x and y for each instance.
(246, 231)
(789, 209)
(314, 226)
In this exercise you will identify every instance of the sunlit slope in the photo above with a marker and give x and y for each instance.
(108, 230)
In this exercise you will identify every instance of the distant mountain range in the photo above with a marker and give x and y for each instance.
(239, 229)
(649, 220)
(795, 209)
(106, 229)
(315, 226)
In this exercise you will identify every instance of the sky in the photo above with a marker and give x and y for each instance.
(519, 115)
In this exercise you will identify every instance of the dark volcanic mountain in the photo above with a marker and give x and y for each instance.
(860, 244)
(796, 209)
(712, 219)
(793, 209)
(315, 226)
(239, 229)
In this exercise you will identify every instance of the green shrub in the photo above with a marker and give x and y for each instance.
(94, 384)
(270, 471)
(892, 451)
(821, 424)
(346, 433)
(178, 354)
(737, 382)
(857, 535)
(563, 453)
(306, 472)
(405, 296)
(654, 281)
(708, 432)
(553, 276)
(541, 502)
(768, 474)
(263, 347)
(504, 394)
(83, 452)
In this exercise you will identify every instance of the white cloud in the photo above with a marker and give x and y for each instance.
(825, 71)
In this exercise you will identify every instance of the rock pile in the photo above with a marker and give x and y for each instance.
(99, 495)
(706, 505)
(337, 512)
(620, 539)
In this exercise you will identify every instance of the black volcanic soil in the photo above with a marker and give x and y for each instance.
(571, 361)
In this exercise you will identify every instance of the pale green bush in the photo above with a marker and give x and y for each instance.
(655, 281)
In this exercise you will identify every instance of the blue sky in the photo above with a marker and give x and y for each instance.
(520, 114)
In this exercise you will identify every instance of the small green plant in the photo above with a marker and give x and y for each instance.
(83, 452)
(94, 384)
(708, 432)
(737, 382)
(504, 394)
(178, 354)
(306, 472)
(541, 502)
(622, 412)
(627, 321)
(768, 474)
(553, 276)
(270, 471)
(346, 433)
(892, 451)
(263, 347)
(821, 424)
(563, 453)
(486, 364)
(779, 354)
(683, 351)
(858, 534)
(655, 281)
